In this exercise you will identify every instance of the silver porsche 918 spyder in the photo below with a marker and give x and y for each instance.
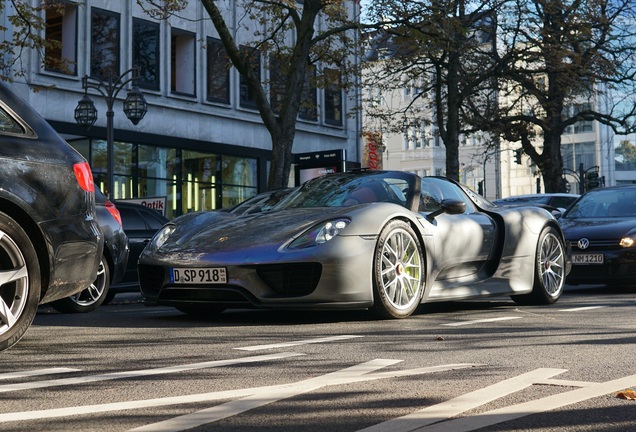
(380, 240)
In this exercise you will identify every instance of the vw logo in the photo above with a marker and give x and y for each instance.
(583, 243)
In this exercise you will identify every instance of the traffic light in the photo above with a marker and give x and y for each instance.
(592, 180)
(480, 187)
(518, 153)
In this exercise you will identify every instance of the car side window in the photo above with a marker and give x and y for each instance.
(434, 190)
(131, 219)
(8, 125)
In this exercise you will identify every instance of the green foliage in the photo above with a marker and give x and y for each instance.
(626, 152)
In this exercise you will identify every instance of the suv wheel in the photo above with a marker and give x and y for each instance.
(90, 298)
(20, 283)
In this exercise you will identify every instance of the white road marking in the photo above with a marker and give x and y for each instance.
(583, 308)
(341, 377)
(460, 404)
(36, 372)
(142, 372)
(299, 342)
(478, 421)
(485, 320)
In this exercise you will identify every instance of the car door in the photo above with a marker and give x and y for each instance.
(462, 244)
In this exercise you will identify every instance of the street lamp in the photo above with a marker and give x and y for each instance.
(135, 107)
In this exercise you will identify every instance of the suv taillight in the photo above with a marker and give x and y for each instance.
(84, 176)
(113, 210)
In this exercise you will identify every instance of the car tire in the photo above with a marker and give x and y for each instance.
(398, 271)
(549, 274)
(20, 282)
(89, 298)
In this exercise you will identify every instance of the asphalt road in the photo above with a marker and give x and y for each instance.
(483, 365)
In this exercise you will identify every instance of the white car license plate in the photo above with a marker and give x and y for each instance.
(212, 275)
(587, 259)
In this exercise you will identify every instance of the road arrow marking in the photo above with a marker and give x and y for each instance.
(36, 372)
(479, 321)
(299, 342)
(463, 403)
(354, 374)
(142, 373)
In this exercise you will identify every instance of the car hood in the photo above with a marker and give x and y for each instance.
(595, 229)
(220, 231)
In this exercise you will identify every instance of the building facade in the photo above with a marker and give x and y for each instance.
(202, 144)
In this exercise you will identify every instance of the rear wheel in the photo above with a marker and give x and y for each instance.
(398, 271)
(89, 298)
(549, 277)
(20, 283)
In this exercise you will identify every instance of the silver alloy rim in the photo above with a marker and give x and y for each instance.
(401, 269)
(551, 266)
(14, 283)
(90, 295)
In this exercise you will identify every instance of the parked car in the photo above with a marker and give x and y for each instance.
(140, 223)
(112, 265)
(50, 242)
(559, 201)
(384, 240)
(601, 229)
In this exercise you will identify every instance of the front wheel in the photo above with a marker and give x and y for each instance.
(20, 282)
(398, 271)
(549, 277)
(89, 298)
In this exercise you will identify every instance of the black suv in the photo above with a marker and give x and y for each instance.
(50, 242)
(111, 267)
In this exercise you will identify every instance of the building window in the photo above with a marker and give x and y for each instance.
(333, 97)
(145, 53)
(218, 79)
(247, 97)
(309, 99)
(182, 63)
(61, 39)
(104, 43)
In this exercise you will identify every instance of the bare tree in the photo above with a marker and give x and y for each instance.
(306, 39)
(564, 61)
(444, 48)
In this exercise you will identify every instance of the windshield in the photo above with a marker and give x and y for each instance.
(602, 203)
(348, 189)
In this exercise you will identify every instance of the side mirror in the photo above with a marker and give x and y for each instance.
(450, 206)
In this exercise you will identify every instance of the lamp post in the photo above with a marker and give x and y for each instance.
(135, 107)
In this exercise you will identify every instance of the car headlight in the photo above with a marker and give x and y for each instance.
(159, 238)
(320, 233)
(627, 242)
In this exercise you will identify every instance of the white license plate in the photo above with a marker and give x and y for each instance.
(587, 259)
(211, 275)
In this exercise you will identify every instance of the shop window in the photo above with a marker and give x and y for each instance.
(309, 102)
(60, 53)
(218, 73)
(105, 29)
(145, 53)
(333, 97)
(200, 173)
(182, 63)
(247, 97)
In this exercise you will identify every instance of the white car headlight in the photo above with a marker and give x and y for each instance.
(159, 238)
(320, 233)
(628, 241)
